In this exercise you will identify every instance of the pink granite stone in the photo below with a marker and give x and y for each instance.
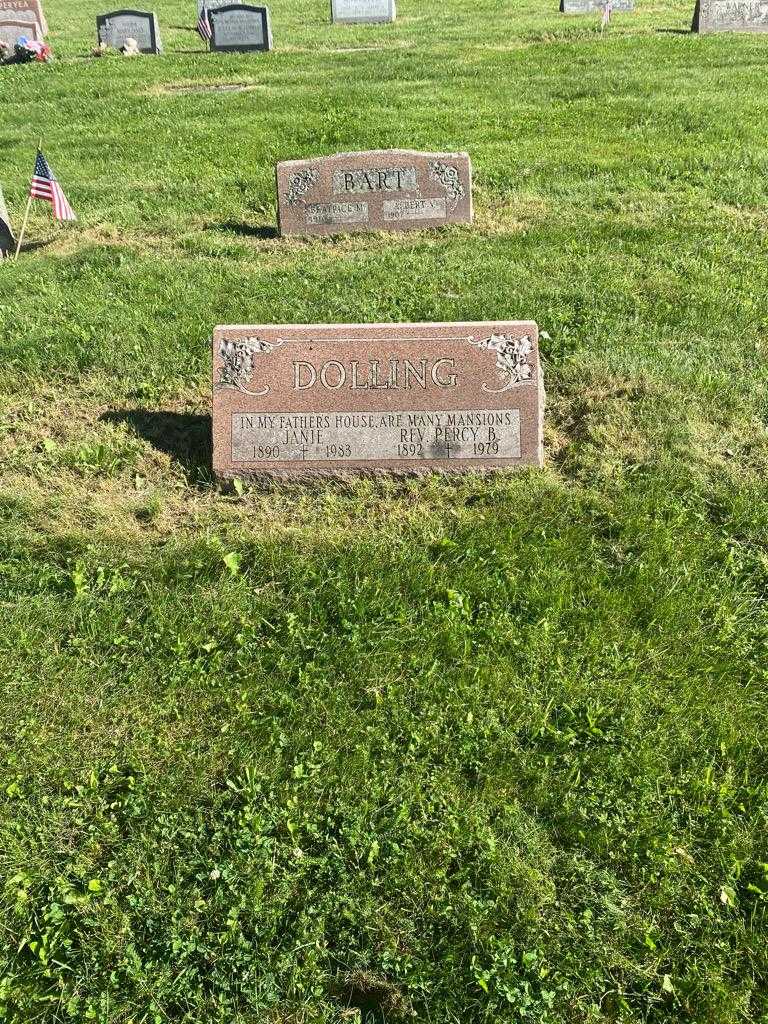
(330, 399)
(13, 29)
(24, 10)
(379, 190)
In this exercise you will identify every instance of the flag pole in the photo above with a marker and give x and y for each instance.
(23, 228)
(26, 212)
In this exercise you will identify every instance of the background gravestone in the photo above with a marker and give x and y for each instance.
(24, 10)
(362, 11)
(240, 28)
(7, 241)
(212, 4)
(12, 30)
(594, 6)
(113, 29)
(326, 399)
(379, 190)
(730, 16)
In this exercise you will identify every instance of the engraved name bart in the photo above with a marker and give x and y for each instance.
(375, 375)
(375, 179)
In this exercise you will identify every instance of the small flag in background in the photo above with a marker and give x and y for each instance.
(204, 24)
(607, 11)
(45, 186)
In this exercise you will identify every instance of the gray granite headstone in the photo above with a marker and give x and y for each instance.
(730, 16)
(113, 29)
(362, 11)
(213, 4)
(594, 6)
(240, 28)
(7, 241)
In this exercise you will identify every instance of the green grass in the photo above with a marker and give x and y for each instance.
(445, 751)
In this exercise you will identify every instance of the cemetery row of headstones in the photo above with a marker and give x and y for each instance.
(293, 401)
(231, 25)
(236, 26)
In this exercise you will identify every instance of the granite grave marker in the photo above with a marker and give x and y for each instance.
(113, 30)
(312, 400)
(11, 30)
(24, 10)
(595, 6)
(389, 189)
(730, 16)
(362, 11)
(211, 4)
(240, 28)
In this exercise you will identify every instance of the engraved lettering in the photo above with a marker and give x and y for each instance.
(452, 378)
(339, 368)
(420, 375)
(375, 179)
(376, 437)
(298, 385)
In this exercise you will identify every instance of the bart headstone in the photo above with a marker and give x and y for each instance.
(7, 241)
(730, 16)
(113, 30)
(363, 11)
(389, 189)
(24, 10)
(240, 28)
(315, 400)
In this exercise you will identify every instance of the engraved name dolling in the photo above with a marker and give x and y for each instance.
(373, 376)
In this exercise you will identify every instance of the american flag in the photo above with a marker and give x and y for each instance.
(45, 186)
(204, 24)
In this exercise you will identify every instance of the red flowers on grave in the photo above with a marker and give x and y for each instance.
(24, 51)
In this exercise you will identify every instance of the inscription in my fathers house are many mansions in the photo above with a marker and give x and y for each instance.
(293, 401)
(383, 189)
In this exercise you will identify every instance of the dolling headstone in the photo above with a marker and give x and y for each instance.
(24, 10)
(294, 401)
(363, 11)
(11, 30)
(7, 241)
(595, 6)
(387, 189)
(730, 16)
(115, 28)
(240, 28)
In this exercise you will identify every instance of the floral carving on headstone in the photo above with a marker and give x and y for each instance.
(447, 176)
(238, 361)
(512, 361)
(300, 184)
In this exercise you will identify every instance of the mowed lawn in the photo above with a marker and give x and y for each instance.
(446, 751)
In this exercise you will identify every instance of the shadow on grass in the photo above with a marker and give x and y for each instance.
(34, 246)
(245, 230)
(675, 31)
(185, 437)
